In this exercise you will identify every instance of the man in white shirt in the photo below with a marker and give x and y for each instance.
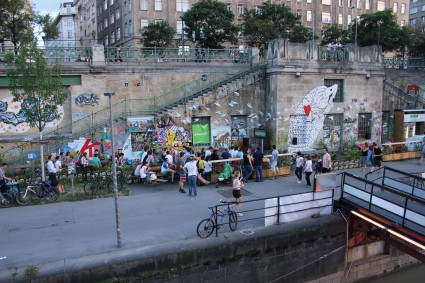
(208, 151)
(52, 171)
(58, 164)
(231, 151)
(192, 175)
(169, 157)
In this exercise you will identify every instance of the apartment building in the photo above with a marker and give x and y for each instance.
(120, 21)
(85, 22)
(417, 12)
(65, 24)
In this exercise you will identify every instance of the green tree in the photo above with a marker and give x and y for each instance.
(381, 28)
(17, 18)
(35, 84)
(417, 44)
(159, 34)
(300, 33)
(269, 22)
(334, 33)
(210, 23)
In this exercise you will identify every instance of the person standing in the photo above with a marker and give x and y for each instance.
(422, 152)
(3, 179)
(299, 164)
(237, 185)
(182, 172)
(85, 163)
(52, 171)
(258, 165)
(273, 163)
(247, 164)
(326, 162)
(308, 169)
(363, 156)
(58, 164)
(377, 156)
(192, 175)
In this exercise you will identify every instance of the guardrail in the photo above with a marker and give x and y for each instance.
(397, 207)
(411, 184)
(326, 54)
(403, 63)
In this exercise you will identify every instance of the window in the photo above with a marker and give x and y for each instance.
(402, 23)
(413, 10)
(348, 20)
(69, 23)
(158, 5)
(326, 18)
(125, 29)
(105, 5)
(143, 23)
(112, 37)
(403, 8)
(309, 16)
(70, 34)
(158, 21)
(423, 8)
(333, 130)
(111, 18)
(182, 5)
(179, 26)
(326, 2)
(381, 6)
(129, 6)
(339, 97)
(359, 4)
(229, 7)
(118, 33)
(117, 14)
(112, 2)
(340, 19)
(105, 23)
(309, 1)
(144, 5)
(130, 27)
(241, 10)
(367, 4)
(412, 22)
(340, 3)
(364, 126)
(395, 7)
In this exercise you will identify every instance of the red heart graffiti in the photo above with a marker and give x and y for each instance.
(307, 109)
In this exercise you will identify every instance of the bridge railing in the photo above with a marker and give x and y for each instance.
(411, 184)
(326, 54)
(403, 63)
(399, 208)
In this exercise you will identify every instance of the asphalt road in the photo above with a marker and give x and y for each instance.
(59, 235)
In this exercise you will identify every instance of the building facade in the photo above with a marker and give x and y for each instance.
(119, 21)
(65, 24)
(417, 12)
(85, 22)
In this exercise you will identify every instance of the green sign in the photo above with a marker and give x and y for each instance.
(201, 133)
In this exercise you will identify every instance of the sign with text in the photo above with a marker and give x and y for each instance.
(260, 133)
(201, 133)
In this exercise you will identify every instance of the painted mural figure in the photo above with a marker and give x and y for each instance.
(306, 121)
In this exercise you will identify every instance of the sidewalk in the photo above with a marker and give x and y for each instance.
(60, 236)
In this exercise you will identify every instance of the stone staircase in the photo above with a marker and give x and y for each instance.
(395, 97)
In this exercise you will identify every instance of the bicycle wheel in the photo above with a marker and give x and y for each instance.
(233, 220)
(110, 184)
(50, 194)
(91, 188)
(205, 228)
(24, 197)
(6, 201)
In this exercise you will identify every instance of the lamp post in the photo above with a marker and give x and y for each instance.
(183, 53)
(114, 169)
(355, 40)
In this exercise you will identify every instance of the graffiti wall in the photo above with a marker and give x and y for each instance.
(13, 120)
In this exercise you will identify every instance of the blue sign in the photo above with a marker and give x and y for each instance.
(32, 155)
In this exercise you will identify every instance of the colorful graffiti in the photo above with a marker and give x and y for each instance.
(87, 99)
(13, 120)
(174, 136)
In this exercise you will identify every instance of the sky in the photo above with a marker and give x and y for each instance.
(47, 6)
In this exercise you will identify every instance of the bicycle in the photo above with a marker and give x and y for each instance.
(206, 227)
(100, 182)
(6, 201)
(42, 190)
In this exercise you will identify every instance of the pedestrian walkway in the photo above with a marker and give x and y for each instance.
(69, 235)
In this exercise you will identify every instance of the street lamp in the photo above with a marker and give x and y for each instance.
(114, 169)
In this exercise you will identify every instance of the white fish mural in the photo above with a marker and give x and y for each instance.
(306, 121)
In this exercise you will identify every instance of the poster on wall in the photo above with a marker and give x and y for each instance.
(141, 130)
(239, 130)
(201, 134)
(221, 137)
(331, 137)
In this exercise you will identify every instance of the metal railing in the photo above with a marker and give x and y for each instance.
(56, 53)
(403, 63)
(411, 184)
(326, 54)
(399, 208)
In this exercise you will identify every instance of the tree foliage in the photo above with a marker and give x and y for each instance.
(159, 34)
(35, 84)
(417, 45)
(210, 23)
(381, 28)
(334, 33)
(269, 22)
(300, 33)
(17, 18)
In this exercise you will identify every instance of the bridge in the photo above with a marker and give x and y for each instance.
(391, 208)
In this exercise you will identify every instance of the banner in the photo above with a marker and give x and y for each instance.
(201, 133)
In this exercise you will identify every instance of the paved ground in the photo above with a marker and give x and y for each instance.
(56, 236)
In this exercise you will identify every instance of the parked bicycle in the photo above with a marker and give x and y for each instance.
(6, 200)
(206, 227)
(100, 182)
(10, 195)
(41, 190)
